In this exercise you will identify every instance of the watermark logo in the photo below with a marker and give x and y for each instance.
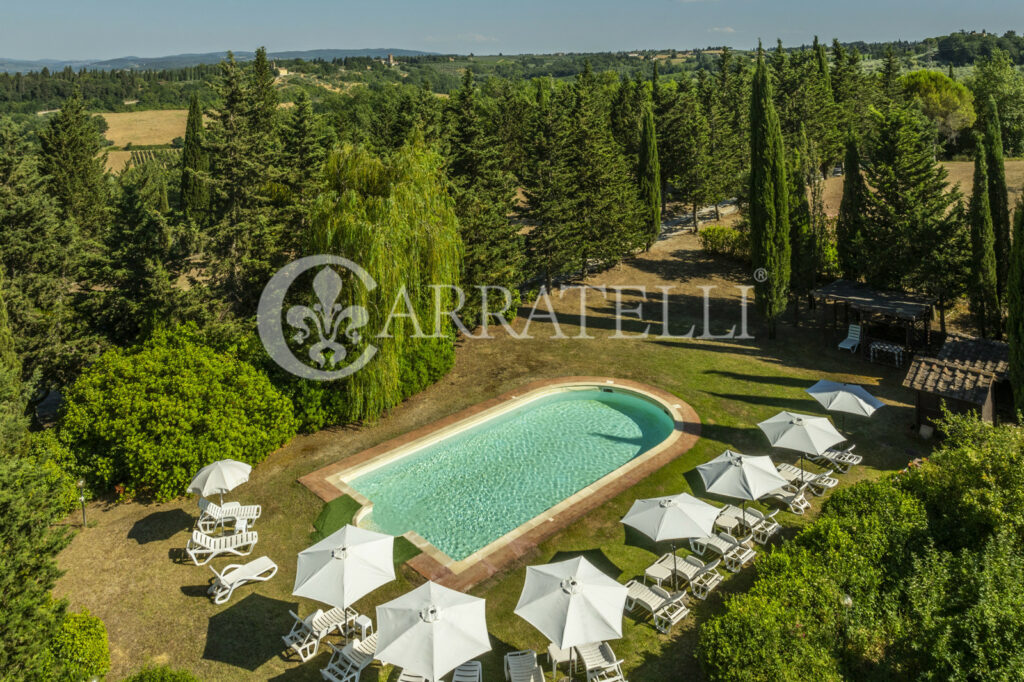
(317, 339)
(326, 330)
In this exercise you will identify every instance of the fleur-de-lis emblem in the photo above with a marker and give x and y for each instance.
(327, 318)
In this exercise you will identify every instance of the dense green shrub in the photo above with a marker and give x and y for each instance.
(162, 673)
(150, 416)
(912, 577)
(718, 240)
(80, 649)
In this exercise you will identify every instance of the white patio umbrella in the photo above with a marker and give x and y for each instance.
(572, 602)
(845, 398)
(344, 566)
(219, 477)
(744, 477)
(431, 630)
(672, 518)
(801, 432)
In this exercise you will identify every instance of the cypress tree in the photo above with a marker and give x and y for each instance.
(998, 199)
(850, 225)
(684, 152)
(1015, 305)
(984, 297)
(769, 201)
(803, 257)
(195, 198)
(650, 177)
(889, 77)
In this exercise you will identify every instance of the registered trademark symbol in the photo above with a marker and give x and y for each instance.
(761, 275)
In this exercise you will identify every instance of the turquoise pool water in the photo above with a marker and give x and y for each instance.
(466, 491)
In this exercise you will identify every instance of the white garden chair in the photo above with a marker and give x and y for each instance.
(852, 340)
(841, 459)
(236, 575)
(819, 483)
(201, 547)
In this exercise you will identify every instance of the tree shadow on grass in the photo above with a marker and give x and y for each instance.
(162, 525)
(248, 633)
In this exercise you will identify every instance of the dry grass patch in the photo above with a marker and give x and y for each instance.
(146, 127)
(118, 161)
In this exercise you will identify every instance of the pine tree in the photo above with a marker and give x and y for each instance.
(910, 205)
(984, 296)
(39, 253)
(195, 198)
(889, 78)
(263, 97)
(1015, 306)
(650, 177)
(13, 425)
(628, 111)
(484, 198)
(72, 160)
(850, 225)
(31, 617)
(684, 152)
(769, 201)
(999, 201)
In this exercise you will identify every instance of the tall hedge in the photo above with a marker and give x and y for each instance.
(150, 416)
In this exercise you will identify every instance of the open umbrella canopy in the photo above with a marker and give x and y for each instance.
(847, 398)
(672, 518)
(801, 432)
(431, 630)
(744, 477)
(219, 477)
(572, 602)
(344, 566)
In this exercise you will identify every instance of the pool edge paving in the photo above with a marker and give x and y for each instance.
(435, 565)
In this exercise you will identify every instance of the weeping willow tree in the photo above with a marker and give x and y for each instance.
(393, 217)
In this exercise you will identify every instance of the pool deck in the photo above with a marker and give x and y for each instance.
(505, 552)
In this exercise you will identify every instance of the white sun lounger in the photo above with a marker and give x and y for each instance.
(842, 460)
(411, 677)
(236, 575)
(213, 516)
(792, 497)
(820, 483)
(661, 570)
(600, 663)
(201, 548)
(347, 664)
(306, 633)
(522, 666)
(666, 609)
(470, 671)
(702, 577)
(764, 526)
(735, 553)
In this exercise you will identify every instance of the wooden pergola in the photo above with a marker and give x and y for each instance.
(894, 308)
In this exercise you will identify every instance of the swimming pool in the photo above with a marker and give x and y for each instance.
(469, 486)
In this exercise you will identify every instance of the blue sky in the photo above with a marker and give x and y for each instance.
(100, 29)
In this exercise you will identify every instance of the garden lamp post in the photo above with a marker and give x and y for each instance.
(81, 497)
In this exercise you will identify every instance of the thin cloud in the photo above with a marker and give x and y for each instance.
(722, 29)
(476, 38)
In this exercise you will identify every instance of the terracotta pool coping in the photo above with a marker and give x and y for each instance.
(434, 565)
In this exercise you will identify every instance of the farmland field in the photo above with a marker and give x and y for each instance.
(146, 127)
(961, 172)
(118, 161)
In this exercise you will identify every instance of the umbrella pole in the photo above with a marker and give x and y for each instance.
(675, 564)
(222, 499)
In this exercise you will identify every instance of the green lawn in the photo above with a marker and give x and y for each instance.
(124, 570)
